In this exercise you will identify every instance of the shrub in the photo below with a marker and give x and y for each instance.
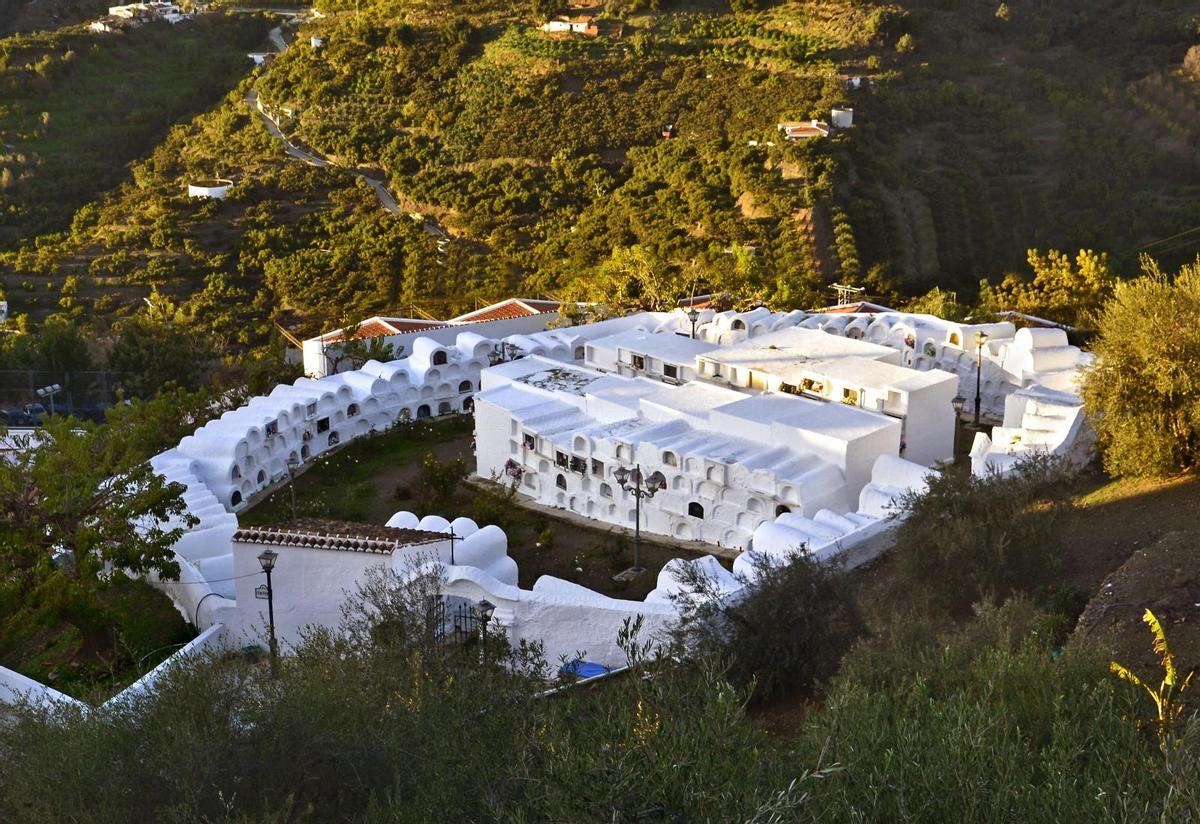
(983, 724)
(385, 722)
(1143, 393)
(787, 629)
(966, 536)
(438, 482)
(497, 504)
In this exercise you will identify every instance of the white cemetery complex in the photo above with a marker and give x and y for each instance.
(765, 433)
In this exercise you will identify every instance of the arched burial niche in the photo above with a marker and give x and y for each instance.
(696, 509)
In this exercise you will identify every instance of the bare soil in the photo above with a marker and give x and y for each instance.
(1163, 577)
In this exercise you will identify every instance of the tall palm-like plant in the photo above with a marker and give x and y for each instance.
(1167, 696)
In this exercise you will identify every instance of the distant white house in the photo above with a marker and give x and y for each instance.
(798, 130)
(839, 118)
(133, 15)
(562, 24)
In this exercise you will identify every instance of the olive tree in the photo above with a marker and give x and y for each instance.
(1142, 395)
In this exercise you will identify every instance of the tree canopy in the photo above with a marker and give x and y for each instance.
(1143, 393)
(77, 506)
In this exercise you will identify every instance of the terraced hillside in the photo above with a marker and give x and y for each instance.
(645, 162)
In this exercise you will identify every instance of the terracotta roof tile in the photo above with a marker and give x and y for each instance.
(512, 308)
(345, 536)
(380, 327)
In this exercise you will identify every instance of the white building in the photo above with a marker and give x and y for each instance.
(1029, 380)
(665, 356)
(809, 362)
(319, 562)
(517, 316)
(571, 25)
(732, 461)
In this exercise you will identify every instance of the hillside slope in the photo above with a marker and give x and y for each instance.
(980, 131)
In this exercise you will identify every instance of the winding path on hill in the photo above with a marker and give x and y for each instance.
(386, 199)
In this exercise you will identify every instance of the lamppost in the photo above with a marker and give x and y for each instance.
(980, 338)
(693, 316)
(293, 463)
(48, 392)
(958, 403)
(485, 608)
(633, 482)
(267, 559)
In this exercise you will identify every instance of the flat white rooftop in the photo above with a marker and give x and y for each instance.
(875, 373)
(786, 349)
(666, 346)
(836, 420)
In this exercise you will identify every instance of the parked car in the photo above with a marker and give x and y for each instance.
(94, 411)
(15, 417)
(36, 412)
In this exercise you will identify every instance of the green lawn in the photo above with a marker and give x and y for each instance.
(358, 483)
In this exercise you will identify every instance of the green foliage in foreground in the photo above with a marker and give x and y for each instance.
(788, 638)
(924, 725)
(1143, 393)
(983, 724)
(968, 537)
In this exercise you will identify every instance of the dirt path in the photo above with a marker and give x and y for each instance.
(385, 197)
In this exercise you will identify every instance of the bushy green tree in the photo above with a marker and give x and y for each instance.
(1064, 290)
(77, 506)
(785, 631)
(1142, 394)
(150, 352)
(967, 536)
(438, 482)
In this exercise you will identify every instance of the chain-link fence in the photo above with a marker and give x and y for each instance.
(27, 395)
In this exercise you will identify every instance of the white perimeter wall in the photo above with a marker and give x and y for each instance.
(317, 352)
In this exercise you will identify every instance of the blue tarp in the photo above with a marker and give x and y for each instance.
(584, 669)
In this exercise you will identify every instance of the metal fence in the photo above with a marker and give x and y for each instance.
(452, 622)
(85, 394)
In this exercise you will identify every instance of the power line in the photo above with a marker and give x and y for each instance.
(213, 581)
(1172, 237)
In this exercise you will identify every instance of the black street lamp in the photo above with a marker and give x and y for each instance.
(693, 316)
(633, 482)
(485, 608)
(293, 463)
(980, 338)
(958, 403)
(267, 559)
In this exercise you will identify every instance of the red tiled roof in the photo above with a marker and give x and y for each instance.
(862, 307)
(379, 327)
(511, 308)
(317, 533)
(698, 302)
(806, 130)
(406, 325)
